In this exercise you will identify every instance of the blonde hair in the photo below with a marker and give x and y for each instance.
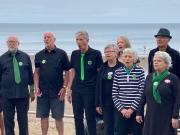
(127, 43)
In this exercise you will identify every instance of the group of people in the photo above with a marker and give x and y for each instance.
(116, 89)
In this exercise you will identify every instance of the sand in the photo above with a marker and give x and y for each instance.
(35, 126)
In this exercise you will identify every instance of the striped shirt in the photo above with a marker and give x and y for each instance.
(127, 89)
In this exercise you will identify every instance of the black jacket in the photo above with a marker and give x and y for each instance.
(175, 56)
(99, 91)
(9, 89)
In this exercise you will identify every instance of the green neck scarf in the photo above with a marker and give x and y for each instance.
(82, 66)
(128, 70)
(156, 79)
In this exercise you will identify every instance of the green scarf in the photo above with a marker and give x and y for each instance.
(156, 79)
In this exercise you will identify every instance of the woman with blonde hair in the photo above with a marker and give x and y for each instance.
(122, 43)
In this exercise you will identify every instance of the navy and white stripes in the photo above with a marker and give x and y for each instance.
(127, 89)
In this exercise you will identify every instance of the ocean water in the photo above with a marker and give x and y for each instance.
(141, 36)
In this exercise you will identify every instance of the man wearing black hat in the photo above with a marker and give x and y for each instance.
(162, 38)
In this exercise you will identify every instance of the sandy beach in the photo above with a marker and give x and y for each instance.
(35, 126)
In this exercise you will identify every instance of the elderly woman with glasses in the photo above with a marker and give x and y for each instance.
(128, 85)
(162, 96)
(104, 102)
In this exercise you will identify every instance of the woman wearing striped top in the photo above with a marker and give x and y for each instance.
(128, 85)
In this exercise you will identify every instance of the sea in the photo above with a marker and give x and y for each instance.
(141, 35)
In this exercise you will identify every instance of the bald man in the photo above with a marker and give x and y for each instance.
(15, 77)
(50, 87)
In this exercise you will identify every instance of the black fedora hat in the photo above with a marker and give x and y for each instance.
(163, 32)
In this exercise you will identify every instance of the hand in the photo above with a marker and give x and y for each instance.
(32, 97)
(139, 119)
(124, 111)
(99, 110)
(37, 92)
(128, 113)
(62, 94)
(175, 123)
(69, 96)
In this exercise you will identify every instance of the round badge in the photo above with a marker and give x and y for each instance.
(155, 83)
(89, 62)
(20, 63)
(134, 77)
(110, 75)
(43, 61)
(167, 81)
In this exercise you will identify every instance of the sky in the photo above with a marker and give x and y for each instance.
(91, 11)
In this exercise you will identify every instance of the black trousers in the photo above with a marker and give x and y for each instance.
(21, 106)
(109, 117)
(84, 102)
(125, 126)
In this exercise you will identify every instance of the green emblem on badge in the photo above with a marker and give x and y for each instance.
(155, 83)
(134, 77)
(110, 75)
(20, 63)
(89, 62)
(43, 61)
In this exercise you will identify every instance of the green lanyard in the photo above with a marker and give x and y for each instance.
(82, 66)
(17, 76)
(128, 71)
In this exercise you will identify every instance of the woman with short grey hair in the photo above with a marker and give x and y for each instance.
(104, 103)
(166, 57)
(132, 52)
(128, 85)
(162, 96)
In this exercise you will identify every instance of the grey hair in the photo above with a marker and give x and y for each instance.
(83, 33)
(131, 51)
(51, 33)
(165, 57)
(114, 47)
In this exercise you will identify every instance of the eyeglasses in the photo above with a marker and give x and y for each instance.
(109, 51)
